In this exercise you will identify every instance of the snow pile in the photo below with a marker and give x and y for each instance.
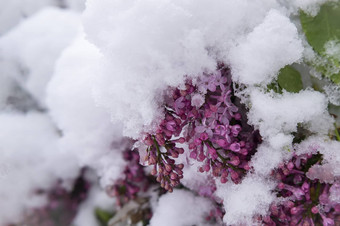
(181, 208)
(31, 60)
(30, 160)
(86, 82)
(149, 45)
(266, 43)
(35, 153)
(241, 202)
(12, 12)
(277, 116)
(15, 11)
(273, 113)
(88, 133)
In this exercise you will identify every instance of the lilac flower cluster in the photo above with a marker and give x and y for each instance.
(134, 180)
(219, 136)
(205, 118)
(169, 173)
(306, 201)
(62, 205)
(215, 216)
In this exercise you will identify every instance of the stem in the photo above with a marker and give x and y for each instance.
(221, 157)
(159, 154)
(336, 132)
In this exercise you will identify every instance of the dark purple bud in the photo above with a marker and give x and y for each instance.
(154, 171)
(290, 165)
(180, 166)
(305, 187)
(152, 160)
(168, 168)
(235, 160)
(171, 161)
(206, 167)
(224, 180)
(180, 150)
(193, 154)
(173, 176)
(237, 116)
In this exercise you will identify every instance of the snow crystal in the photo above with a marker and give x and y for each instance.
(243, 201)
(332, 49)
(333, 93)
(180, 208)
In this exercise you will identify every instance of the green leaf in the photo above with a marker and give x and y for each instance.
(274, 87)
(335, 78)
(290, 79)
(323, 27)
(103, 216)
(321, 30)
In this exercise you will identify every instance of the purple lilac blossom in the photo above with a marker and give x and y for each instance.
(205, 117)
(62, 205)
(304, 201)
(133, 182)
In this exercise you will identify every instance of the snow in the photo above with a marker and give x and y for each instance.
(241, 202)
(29, 159)
(202, 183)
(97, 199)
(149, 46)
(311, 7)
(181, 208)
(329, 169)
(74, 87)
(267, 158)
(274, 113)
(15, 11)
(266, 43)
(46, 34)
(87, 131)
(333, 94)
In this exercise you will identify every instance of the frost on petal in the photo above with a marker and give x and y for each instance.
(322, 172)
